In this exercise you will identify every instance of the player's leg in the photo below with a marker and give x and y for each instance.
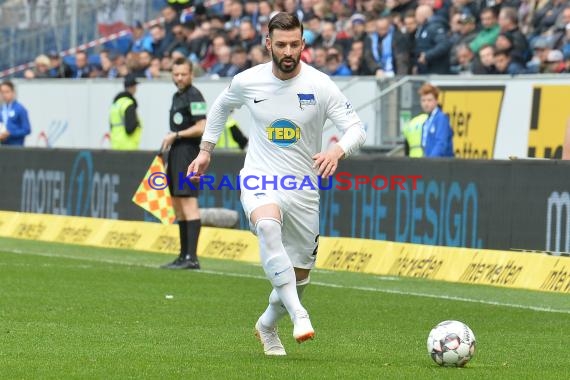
(276, 310)
(301, 240)
(274, 259)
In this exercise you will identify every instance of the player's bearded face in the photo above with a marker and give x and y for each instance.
(286, 47)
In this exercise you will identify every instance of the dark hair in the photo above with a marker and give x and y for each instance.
(504, 52)
(182, 61)
(8, 83)
(284, 21)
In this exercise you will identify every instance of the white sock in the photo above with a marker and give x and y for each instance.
(275, 310)
(277, 265)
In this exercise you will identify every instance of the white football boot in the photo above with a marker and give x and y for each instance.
(302, 328)
(272, 345)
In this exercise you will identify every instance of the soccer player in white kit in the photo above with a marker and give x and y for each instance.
(289, 102)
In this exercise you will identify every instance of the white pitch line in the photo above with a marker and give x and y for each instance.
(318, 283)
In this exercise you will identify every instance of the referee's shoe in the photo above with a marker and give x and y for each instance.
(182, 262)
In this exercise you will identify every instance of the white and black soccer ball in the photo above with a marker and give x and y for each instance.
(451, 344)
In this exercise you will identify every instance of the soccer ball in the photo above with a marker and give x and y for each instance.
(451, 344)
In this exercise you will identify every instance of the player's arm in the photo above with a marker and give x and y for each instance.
(229, 99)
(339, 110)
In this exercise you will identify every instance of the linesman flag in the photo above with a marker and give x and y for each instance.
(153, 194)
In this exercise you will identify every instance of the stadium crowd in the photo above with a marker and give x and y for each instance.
(350, 37)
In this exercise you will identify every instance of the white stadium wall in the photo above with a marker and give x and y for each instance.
(493, 117)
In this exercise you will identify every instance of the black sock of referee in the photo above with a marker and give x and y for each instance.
(192, 233)
(183, 229)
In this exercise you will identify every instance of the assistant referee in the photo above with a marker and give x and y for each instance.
(187, 122)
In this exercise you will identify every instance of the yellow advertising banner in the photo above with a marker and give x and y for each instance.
(466, 265)
(548, 120)
(474, 116)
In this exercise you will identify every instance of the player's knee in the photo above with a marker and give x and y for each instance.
(268, 227)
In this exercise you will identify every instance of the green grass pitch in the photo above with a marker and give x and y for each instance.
(76, 312)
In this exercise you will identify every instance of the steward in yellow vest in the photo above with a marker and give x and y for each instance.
(126, 127)
(232, 137)
(179, 5)
(412, 131)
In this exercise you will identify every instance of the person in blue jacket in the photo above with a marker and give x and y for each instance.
(437, 135)
(15, 125)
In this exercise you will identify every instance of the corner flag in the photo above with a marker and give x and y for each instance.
(153, 194)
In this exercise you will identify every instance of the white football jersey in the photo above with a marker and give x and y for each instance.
(288, 117)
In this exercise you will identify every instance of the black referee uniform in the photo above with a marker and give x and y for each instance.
(188, 107)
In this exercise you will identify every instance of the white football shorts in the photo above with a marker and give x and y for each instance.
(300, 222)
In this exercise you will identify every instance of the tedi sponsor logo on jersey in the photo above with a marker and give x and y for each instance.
(283, 132)
(306, 100)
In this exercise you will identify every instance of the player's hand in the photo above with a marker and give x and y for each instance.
(198, 167)
(4, 135)
(327, 162)
(167, 141)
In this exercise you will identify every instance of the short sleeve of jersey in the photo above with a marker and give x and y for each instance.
(198, 108)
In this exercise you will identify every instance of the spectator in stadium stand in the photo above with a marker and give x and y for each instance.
(437, 135)
(555, 62)
(508, 24)
(235, 13)
(358, 30)
(82, 67)
(319, 61)
(411, 26)
(542, 46)
(239, 59)
(107, 68)
(504, 63)
(157, 44)
(248, 35)
(59, 69)
(467, 33)
(223, 66)
(471, 7)
(251, 10)
(199, 39)
(14, 121)
(465, 61)
(561, 31)
(336, 66)
(404, 6)
(41, 68)
(358, 62)
(545, 17)
(171, 19)
(389, 49)
(486, 61)
(259, 55)
(187, 122)
(139, 37)
(143, 65)
(179, 39)
(489, 32)
(432, 45)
